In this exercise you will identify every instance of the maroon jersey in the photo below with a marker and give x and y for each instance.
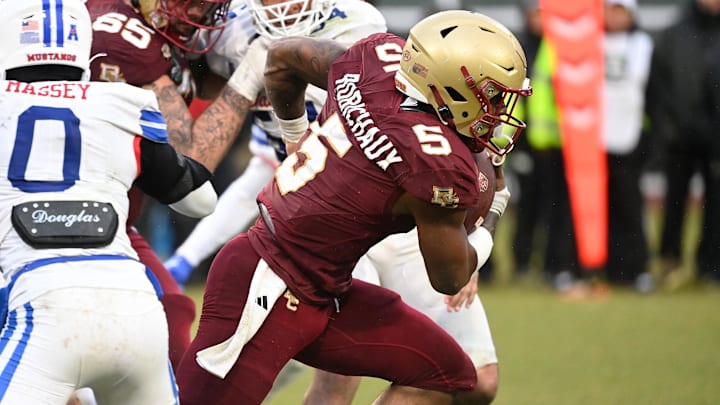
(134, 52)
(331, 201)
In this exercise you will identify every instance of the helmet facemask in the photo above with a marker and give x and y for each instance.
(497, 128)
(290, 18)
(187, 24)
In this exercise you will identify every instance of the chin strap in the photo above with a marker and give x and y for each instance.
(472, 85)
(443, 110)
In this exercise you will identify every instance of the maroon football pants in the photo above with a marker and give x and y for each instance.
(374, 334)
(179, 308)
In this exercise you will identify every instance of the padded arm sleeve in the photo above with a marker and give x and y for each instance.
(482, 241)
(199, 203)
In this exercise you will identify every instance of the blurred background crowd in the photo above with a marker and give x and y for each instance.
(660, 108)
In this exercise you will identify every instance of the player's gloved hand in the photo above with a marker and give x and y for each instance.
(180, 269)
(500, 201)
(248, 79)
(502, 193)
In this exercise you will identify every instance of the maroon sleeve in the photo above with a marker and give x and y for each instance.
(486, 180)
(133, 52)
(437, 166)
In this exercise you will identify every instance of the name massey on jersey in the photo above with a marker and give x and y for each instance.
(379, 149)
(54, 90)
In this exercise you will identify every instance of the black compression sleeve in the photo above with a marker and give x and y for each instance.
(167, 175)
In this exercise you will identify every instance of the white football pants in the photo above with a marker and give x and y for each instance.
(397, 264)
(112, 340)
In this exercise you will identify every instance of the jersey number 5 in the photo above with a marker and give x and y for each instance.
(291, 175)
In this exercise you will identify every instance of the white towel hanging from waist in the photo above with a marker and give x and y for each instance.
(220, 358)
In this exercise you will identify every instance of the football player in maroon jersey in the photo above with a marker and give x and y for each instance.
(143, 43)
(392, 149)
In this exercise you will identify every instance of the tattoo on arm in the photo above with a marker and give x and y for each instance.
(176, 114)
(292, 64)
(218, 126)
(312, 60)
(208, 139)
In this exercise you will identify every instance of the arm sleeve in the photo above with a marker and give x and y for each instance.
(167, 175)
(199, 203)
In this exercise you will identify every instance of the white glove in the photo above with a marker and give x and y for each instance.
(248, 79)
(500, 201)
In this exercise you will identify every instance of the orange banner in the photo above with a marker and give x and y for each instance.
(575, 29)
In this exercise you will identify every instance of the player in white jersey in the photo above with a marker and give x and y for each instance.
(343, 20)
(79, 309)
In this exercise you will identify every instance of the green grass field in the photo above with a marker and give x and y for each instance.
(661, 348)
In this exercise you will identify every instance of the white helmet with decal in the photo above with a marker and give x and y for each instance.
(45, 32)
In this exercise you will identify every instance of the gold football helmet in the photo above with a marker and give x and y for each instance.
(472, 70)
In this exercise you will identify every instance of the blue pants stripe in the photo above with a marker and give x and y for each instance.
(12, 365)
